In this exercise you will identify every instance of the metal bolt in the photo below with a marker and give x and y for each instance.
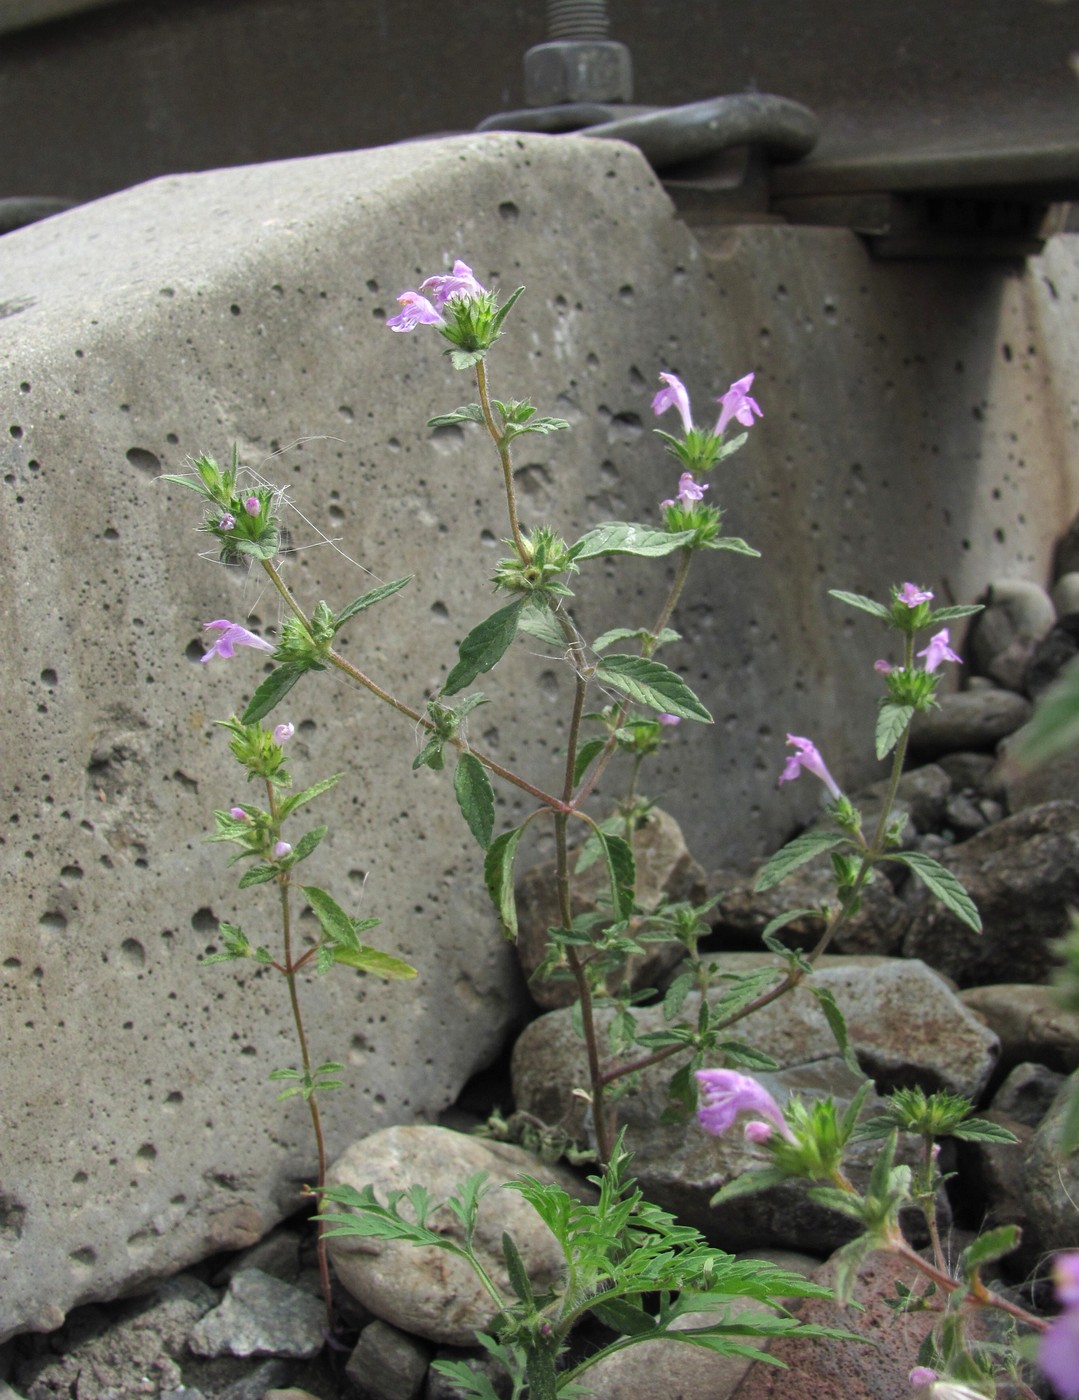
(579, 63)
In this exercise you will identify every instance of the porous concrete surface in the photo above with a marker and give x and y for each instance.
(919, 423)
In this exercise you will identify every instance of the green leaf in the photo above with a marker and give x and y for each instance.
(798, 852)
(366, 600)
(535, 425)
(837, 1023)
(768, 934)
(622, 869)
(498, 875)
(305, 845)
(539, 623)
(892, 720)
(467, 413)
(620, 537)
(589, 750)
(858, 600)
(675, 996)
(272, 690)
(465, 359)
(939, 880)
(432, 754)
(504, 311)
(475, 797)
(182, 481)
(651, 683)
(950, 614)
(515, 1270)
(988, 1248)
(1054, 728)
(484, 646)
(371, 960)
(334, 922)
(298, 799)
(620, 1315)
(747, 1184)
(640, 634)
(258, 875)
(734, 544)
(981, 1130)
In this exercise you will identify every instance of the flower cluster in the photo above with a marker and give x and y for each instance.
(725, 1094)
(465, 312)
(699, 449)
(418, 310)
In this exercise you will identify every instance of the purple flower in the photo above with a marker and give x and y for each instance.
(252, 505)
(807, 757)
(689, 491)
(1058, 1353)
(668, 719)
(912, 595)
(281, 850)
(460, 283)
(227, 522)
(673, 396)
(232, 635)
(758, 1132)
(725, 1094)
(416, 311)
(283, 733)
(1066, 1278)
(238, 814)
(922, 1375)
(738, 404)
(884, 668)
(938, 650)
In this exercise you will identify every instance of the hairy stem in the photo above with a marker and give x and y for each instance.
(504, 456)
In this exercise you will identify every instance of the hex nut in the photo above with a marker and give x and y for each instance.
(578, 70)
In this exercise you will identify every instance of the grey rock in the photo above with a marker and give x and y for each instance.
(427, 1291)
(267, 1375)
(388, 1364)
(1057, 649)
(968, 771)
(977, 718)
(1031, 1024)
(1001, 638)
(261, 1316)
(1023, 875)
(665, 870)
(742, 913)
(277, 1254)
(6, 1392)
(1066, 553)
(1030, 787)
(1027, 1093)
(1051, 1179)
(1064, 594)
(135, 1351)
(964, 816)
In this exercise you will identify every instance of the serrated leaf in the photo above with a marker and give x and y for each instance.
(734, 544)
(475, 797)
(892, 720)
(990, 1247)
(372, 960)
(622, 871)
(837, 1023)
(539, 623)
(258, 875)
(432, 754)
(981, 1130)
(484, 646)
(272, 690)
(465, 359)
(620, 537)
(534, 425)
(651, 683)
(772, 927)
(747, 1184)
(795, 853)
(367, 600)
(306, 844)
(300, 798)
(625, 1317)
(939, 880)
(589, 750)
(515, 1270)
(858, 600)
(332, 919)
(733, 446)
(676, 994)
(467, 413)
(498, 876)
(950, 614)
(641, 634)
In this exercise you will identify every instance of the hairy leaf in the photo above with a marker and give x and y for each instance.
(795, 853)
(939, 880)
(475, 797)
(272, 690)
(484, 646)
(620, 537)
(366, 600)
(653, 684)
(498, 874)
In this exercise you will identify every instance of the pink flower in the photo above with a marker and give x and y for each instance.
(238, 814)
(938, 650)
(668, 719)
(283, 733)
(252, 505)
(913, 595)
(725, 1094)
(758, 1132)
(808, 758)
(232, 636)
(673, 396)
(737, 404)
(281, 850)
(417, 311)
(884, 668)
(922, 1375)
(689, 491)
(1058, 1352)
(227, 521)
(460, 283)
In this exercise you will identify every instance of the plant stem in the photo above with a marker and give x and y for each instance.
(290, 970)
(504, 456)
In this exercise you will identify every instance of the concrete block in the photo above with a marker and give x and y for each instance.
(899, 441)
